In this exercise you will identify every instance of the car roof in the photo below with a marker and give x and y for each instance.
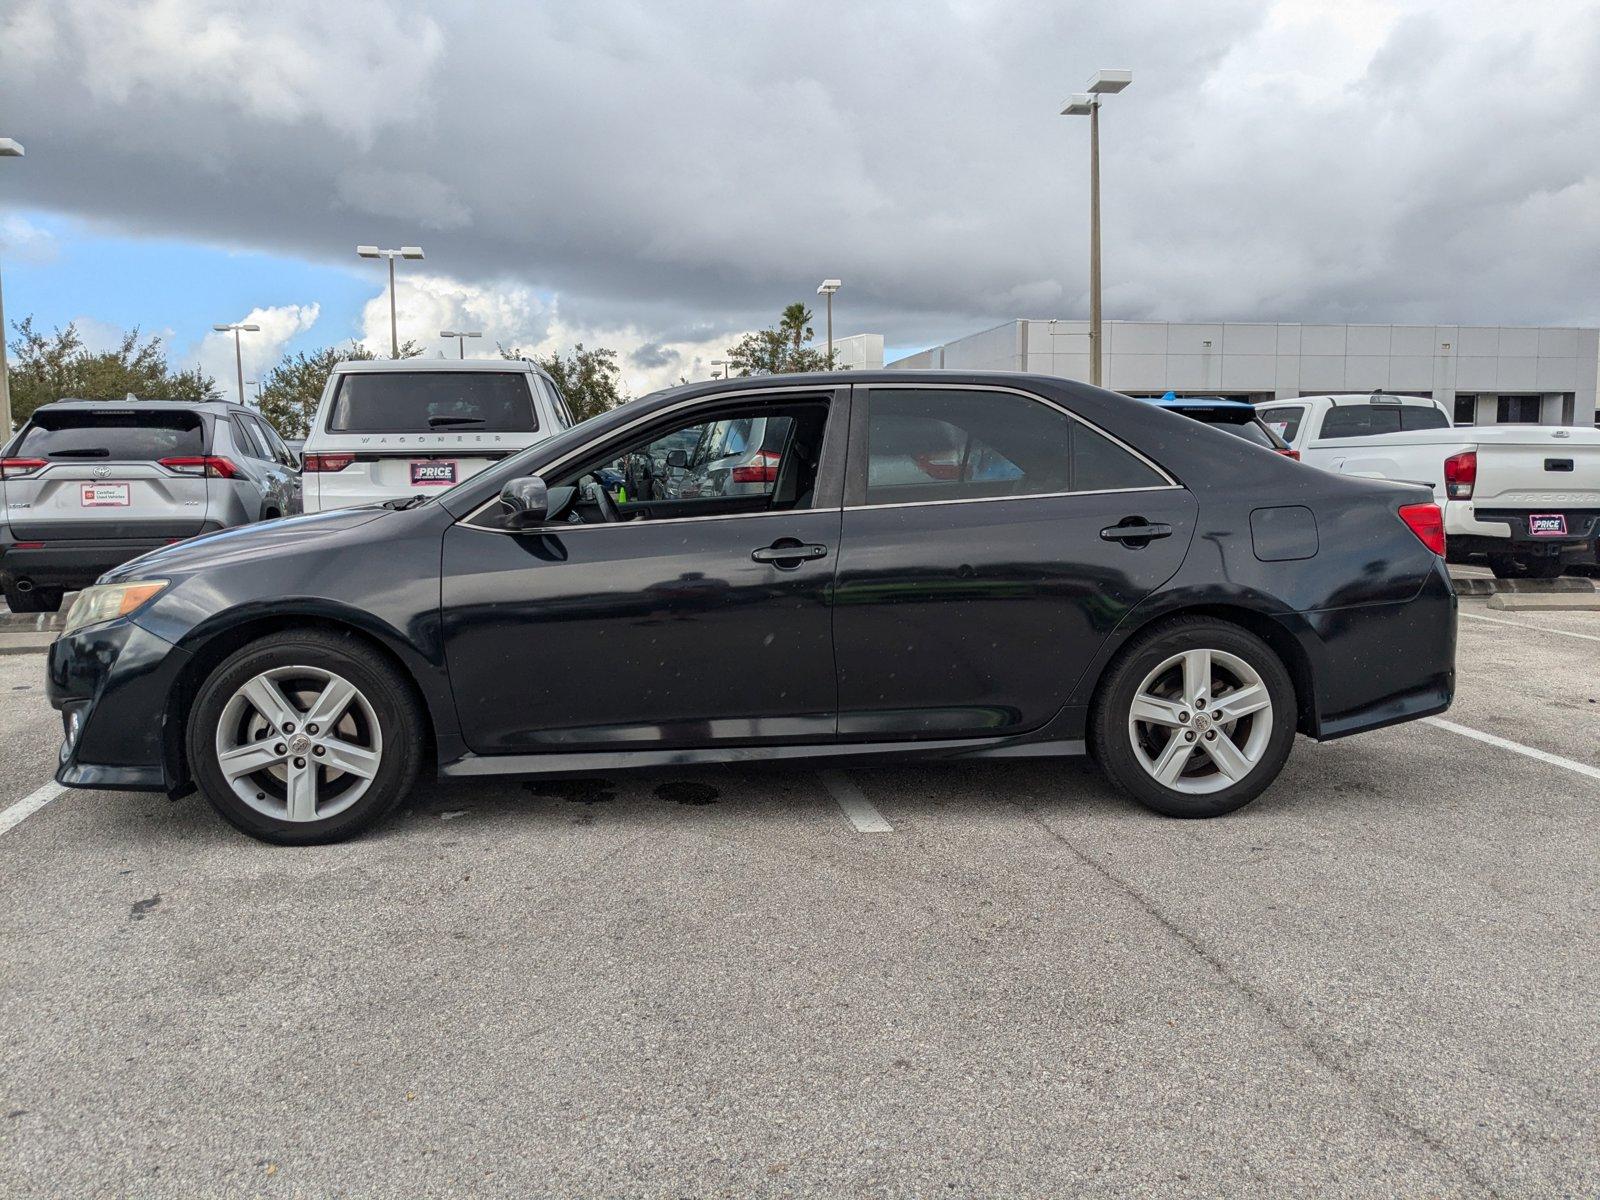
(1199, 402)
(1386, 397)
(214, 407)
(381, 366)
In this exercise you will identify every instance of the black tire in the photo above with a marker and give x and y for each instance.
(1113, 746)
(36, 600)
(1510, 566)
(377, 681)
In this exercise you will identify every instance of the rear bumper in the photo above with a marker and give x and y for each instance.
(1472, 529)
(111, 683)
(1380, 664)
(74, 562)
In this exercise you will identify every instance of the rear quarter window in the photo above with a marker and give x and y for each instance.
(112, 434)
(1285, 422)
(433, 402)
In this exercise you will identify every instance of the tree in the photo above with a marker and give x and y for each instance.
(56, 366)
(292, 389)
(589, 379)
(780, 350)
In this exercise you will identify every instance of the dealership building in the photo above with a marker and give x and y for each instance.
(1483, 374)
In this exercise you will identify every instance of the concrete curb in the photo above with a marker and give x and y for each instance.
(1548, 602)
(11, 622)
(29, 642)
(1563, 584)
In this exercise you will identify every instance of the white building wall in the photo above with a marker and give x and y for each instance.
(1287, 360)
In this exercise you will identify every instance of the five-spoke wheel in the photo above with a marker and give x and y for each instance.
(1195, 718)
(304, 736)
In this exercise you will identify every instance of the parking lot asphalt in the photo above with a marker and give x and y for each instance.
(1380, 979)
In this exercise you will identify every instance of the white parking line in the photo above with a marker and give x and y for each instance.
(28, 805)
(1544, 756)
(1588, 637)
(857, 807)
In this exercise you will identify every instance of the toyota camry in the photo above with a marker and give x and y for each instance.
(909, 565)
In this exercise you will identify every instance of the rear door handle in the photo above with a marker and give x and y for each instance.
(787, 552)
(1136, 531)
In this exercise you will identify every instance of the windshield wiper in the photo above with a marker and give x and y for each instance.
(432, 421)
(404, 502)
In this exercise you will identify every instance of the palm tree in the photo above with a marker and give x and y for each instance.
(796, 324)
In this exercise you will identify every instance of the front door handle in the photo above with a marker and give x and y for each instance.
(788, 552)
(1136, 531)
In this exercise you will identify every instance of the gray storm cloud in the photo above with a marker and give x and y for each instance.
(676, 166)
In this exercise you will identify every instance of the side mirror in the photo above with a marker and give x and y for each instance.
(525, 502)
(678, 459)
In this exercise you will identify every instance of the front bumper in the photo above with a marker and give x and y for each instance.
(112, 683)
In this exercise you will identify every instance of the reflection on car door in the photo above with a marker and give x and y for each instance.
(655, 632)
(975, 580)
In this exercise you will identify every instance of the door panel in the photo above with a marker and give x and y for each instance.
(975, 619)
(641, 635)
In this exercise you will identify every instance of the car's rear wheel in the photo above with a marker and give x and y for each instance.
(1513, 566)
(304, 737)
(1195, 719)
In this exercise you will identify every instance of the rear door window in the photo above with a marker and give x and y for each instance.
(433, 402)
(949, 444)
(250, 441)
(117, 435)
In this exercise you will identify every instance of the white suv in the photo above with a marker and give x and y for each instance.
(391, 428)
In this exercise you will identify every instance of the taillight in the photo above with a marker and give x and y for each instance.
(1288, 453)
(763, 468)
(21, 468)
(328, 462)
(210, 465)
(1427, 522)
(1460, 474)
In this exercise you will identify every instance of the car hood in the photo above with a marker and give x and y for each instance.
(248, 541)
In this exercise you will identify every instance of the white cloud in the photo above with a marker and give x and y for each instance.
(260, 351)
(23, 241)
(513, 316)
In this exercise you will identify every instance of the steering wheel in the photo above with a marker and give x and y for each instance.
(604, 502)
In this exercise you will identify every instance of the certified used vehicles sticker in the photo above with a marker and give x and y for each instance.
(102, 495)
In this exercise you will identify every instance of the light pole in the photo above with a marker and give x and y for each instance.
(726, 364)
(9, 148)
(238, 353)
(461, 336)
(391, 255)
(827, 288)
(1104, 83)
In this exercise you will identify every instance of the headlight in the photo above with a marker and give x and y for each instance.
(107, 601)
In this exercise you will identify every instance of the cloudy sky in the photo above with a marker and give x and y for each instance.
(659, 176)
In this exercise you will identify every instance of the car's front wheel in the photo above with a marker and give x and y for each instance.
(304, 736)
(1195, 719)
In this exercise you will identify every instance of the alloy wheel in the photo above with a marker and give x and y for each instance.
(1200, 721)
(299, 743)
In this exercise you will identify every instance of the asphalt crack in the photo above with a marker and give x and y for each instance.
(1237, 983)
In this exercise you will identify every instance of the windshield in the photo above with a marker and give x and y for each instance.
(123, 435)
(433, 401)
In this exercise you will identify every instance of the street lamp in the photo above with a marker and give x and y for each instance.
(827, 288)
(461, 336)
(238, 354)
(391, 255)
(726, 364)
(1104, 83)
(9, 148)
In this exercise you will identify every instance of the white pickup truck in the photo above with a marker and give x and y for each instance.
(1528, 496)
